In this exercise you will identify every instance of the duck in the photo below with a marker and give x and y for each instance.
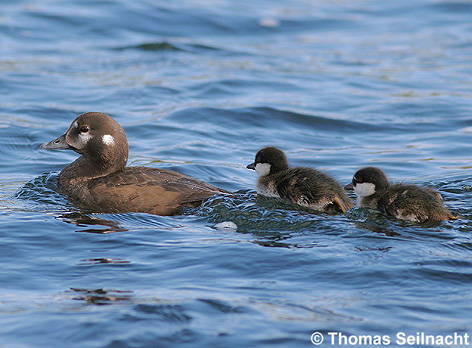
(303, 186)
(402, 201)
(100, 181)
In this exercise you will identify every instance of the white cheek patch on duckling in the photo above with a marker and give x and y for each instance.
(262, 169)
(365, 189)
(108, 139)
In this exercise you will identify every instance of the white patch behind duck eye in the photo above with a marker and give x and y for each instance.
(365, 189)
(108, 139)
(262, 169)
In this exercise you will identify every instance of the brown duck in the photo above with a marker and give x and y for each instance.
(100, 181)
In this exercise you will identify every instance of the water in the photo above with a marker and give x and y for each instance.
(199, 87)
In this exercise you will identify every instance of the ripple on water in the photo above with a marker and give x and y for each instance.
(200, 86)
(42, 189)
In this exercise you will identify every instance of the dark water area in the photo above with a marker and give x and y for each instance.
(199, 87)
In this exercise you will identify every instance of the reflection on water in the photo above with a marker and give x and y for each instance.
(83, 220)
(96, 261)
(101, 296)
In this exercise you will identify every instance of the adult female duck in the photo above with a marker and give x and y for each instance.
(100, 181)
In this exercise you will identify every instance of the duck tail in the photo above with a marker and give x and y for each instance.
(343, 204)
(452, 217)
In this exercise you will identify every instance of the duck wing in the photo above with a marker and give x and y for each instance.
(414, 203)
(150, 190)
(313, 189)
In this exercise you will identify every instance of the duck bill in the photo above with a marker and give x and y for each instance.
(251, 166)
(349, 187)
(57, 144)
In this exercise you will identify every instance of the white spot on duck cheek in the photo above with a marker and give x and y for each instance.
(262, 169)
(108, 139)
(83, 139)
(365, 189)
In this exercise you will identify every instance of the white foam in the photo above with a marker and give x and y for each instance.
(269, 22)
(226, 225)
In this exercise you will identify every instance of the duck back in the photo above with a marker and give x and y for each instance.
(142, 189)
(312, 189)
(414, 203)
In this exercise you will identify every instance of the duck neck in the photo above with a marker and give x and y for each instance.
(83, 169)
(370, 201)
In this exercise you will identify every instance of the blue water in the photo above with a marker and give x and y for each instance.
(199, 87)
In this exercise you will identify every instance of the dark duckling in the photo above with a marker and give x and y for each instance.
(402, 201)
(303, 186)
(100, 181)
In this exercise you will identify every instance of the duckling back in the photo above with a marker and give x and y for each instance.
(312, 189)
(414, 203)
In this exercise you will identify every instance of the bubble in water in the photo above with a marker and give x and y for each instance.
(226, 225)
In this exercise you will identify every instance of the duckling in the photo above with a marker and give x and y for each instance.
(402, 201)
(303, 186)
(99, 179)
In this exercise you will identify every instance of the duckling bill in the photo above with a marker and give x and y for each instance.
(402, 201)
(306, 187)
(100, 181)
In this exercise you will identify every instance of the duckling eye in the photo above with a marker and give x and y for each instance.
(84, 129)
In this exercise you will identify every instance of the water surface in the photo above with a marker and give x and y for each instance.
(199, 87)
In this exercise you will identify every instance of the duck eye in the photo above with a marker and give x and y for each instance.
(84, 129)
